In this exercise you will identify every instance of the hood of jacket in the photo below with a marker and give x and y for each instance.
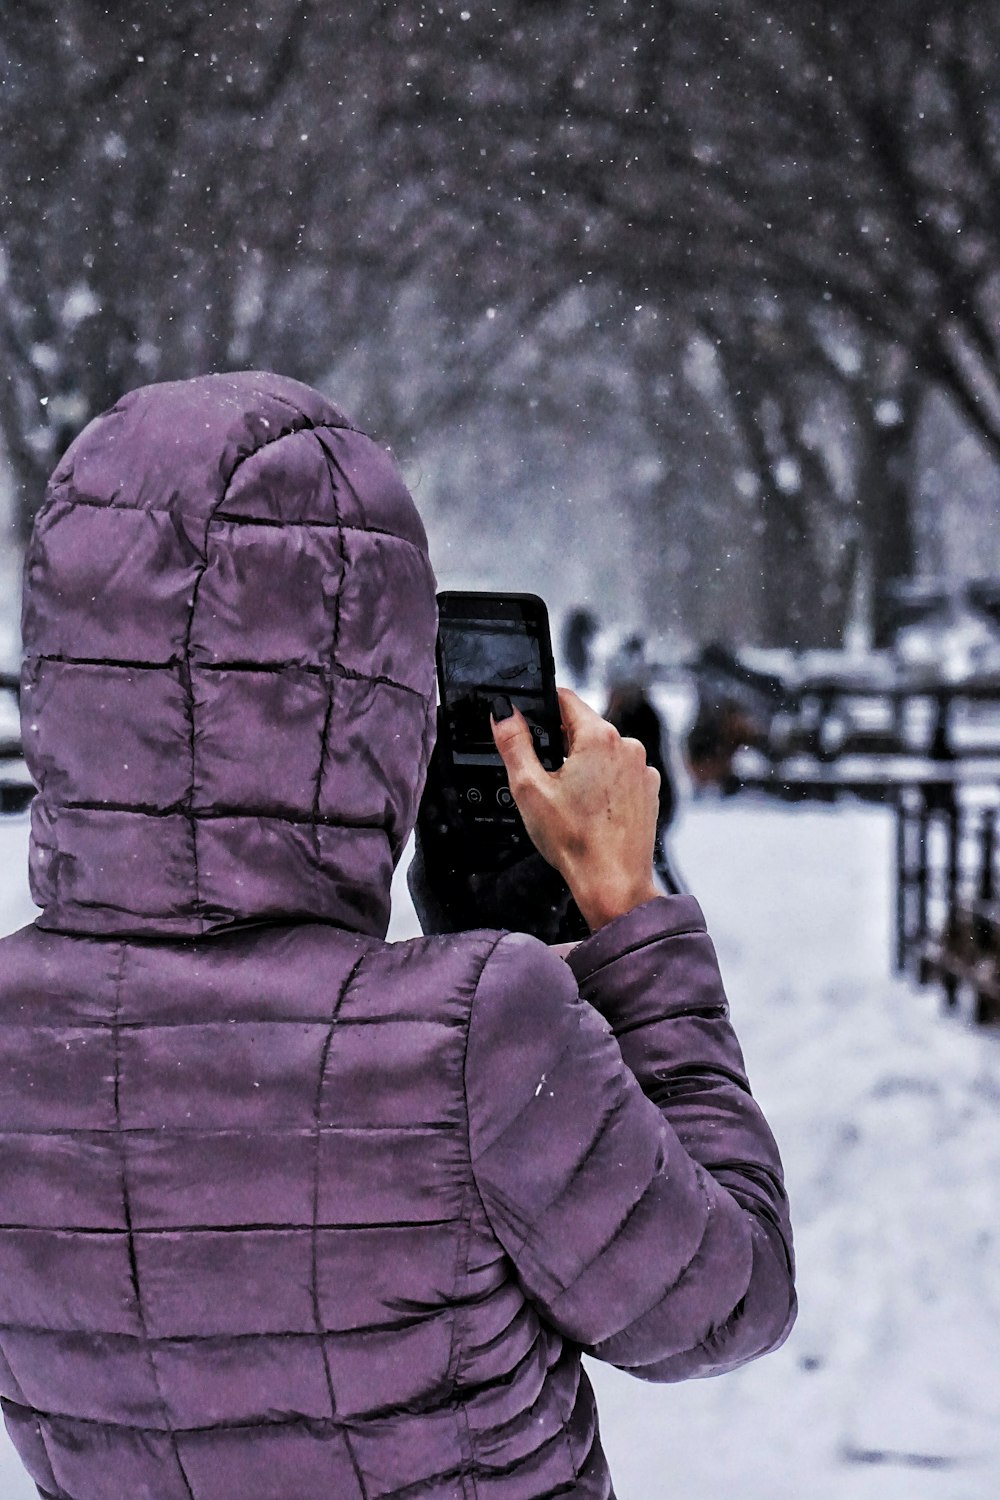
(228, 683)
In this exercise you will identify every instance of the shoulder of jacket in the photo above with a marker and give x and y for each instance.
(458, 958)
(520, 969)
(479, 963)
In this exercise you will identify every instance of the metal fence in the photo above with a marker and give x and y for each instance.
(947, 907)
(16, 790)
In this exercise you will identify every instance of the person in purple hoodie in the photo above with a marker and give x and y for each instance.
(288, 1212)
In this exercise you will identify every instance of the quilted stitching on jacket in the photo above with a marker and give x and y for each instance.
(229, 671)
(285, 1210)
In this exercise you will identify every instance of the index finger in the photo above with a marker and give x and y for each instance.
(513, 739)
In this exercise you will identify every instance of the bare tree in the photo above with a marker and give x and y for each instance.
(710, 158)
(407, 195)
(170, 205)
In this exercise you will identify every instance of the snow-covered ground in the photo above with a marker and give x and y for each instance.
(886, 1112)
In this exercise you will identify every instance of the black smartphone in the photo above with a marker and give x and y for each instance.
(488, 644)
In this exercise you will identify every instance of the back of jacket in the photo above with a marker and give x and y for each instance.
(285, 1210)
(241, 1252)
(293, 1211)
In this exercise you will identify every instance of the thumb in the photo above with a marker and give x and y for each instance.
(512, 737)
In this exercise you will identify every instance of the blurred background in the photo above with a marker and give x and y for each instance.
(686, 315)
(699, 298)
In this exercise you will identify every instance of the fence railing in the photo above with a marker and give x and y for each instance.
(16, 790)
(947, 889)
(863, 732)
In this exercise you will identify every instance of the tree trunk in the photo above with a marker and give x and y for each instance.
(885, 495)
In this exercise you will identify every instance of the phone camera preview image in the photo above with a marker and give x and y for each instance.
(481, 659)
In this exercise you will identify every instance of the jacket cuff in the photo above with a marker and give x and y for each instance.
(666, 916)
(654, 961)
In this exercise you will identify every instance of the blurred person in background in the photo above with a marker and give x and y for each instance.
(630, 709)
(579, 630)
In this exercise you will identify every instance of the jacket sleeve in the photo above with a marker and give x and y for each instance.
(620, 1156)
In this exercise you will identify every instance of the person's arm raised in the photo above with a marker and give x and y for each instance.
(594, 819)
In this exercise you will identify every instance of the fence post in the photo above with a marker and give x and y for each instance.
(953, 831)
(987, 851)
(902, 880)
(921, 877)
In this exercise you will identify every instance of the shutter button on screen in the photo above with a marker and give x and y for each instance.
(504, 798)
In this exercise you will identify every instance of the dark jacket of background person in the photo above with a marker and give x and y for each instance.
(286, 1211)
(579, 629)
(632, 714)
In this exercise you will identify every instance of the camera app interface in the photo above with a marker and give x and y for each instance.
(480, 660)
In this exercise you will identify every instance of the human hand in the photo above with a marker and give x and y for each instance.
(594, 819)
(458, 882)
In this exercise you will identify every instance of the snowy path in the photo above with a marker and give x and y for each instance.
(886, 1112)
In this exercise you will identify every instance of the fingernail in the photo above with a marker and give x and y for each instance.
(502, 708)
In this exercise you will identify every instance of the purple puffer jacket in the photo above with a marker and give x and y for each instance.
(287, 1212)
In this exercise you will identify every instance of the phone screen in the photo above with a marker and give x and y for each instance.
(479, 659)
(490, 644)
